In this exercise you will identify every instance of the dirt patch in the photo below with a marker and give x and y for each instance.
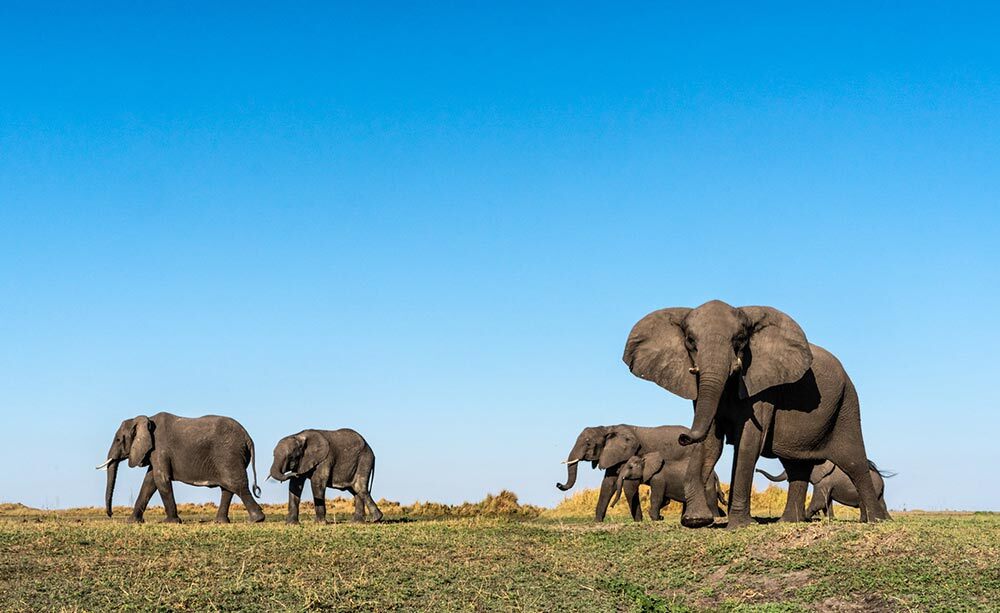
(862, 604)
(802, 535)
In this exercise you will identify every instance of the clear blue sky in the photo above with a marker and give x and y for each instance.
(437, 226)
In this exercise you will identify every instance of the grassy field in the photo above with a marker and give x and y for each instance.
(541, 561)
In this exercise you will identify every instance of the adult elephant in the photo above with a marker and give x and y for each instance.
(209, 451)
(759, 385)
(609, 447)
(830, 484)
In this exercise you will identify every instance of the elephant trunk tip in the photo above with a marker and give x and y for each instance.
(690, 439)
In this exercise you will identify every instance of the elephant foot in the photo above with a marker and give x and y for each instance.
(791, 518)
(135, 519)
(255, 518)
(739, 521)
(697, 521)
(377, 517)
(322, 521)
(222, 520)
(170, 520)
(292, 521)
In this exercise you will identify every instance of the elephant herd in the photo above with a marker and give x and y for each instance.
(215, 451)
(755, 381)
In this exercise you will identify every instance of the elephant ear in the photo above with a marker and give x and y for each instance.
(617, 449)
(317, 449)
(655, 351)
(651, 464)
(821, 471)
(779, 351)
(142, 441)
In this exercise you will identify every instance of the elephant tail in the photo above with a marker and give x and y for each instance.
(886, 474)
(253, 464)
(776, 478)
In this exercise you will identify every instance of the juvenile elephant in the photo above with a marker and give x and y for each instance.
(209, 451)
(609, 447)
(665, 481)
(340, 459)
(830, 484)
(759, 385)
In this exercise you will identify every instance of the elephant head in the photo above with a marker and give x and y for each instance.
(620, 444)
(588, 448)
(133, 441)
(694, 352)
(298, 454)
(640, 468)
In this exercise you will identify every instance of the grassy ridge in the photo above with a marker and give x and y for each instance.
(82, 561)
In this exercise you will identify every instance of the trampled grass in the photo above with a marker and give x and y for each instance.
(553, 561)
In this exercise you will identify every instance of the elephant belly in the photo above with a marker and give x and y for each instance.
(845, 494)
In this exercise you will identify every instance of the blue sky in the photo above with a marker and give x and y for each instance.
(437, 226)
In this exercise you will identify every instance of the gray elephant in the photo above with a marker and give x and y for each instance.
(209, 451)
(759, 385)
(609, 447)
(665, 481)
(830, 484)
(340, 459)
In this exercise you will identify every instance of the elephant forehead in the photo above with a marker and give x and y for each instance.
(713, 316)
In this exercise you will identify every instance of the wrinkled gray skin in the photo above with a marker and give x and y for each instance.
(340, 459)
(609, 447)
(760, 386)
(830, 484)
(209, 451)
(665, 481)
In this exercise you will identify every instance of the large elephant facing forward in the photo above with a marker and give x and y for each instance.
(609, 447)
(759, 385)
(209, 451)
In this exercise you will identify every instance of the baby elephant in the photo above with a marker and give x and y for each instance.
(665, 481)
(209, 451)
(830, 484)
(340, 459)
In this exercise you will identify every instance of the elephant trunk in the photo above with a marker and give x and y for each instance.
(776, 478)
(571, 468)
(709, 391)
(112, 470)
(572, 463)
(618, 490)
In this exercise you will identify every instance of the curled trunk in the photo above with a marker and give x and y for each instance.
(109, 491)
(709, 391)
(571, 469)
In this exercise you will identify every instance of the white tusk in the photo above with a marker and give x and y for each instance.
(106, 463)
(693, 370)
(570, 462)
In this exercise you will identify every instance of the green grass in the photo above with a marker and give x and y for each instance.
(82, 561)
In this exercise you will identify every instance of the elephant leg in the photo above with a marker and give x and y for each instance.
(657, 496)
(319, 498)
(829, 509)
(145, 493)
(860, 476)
(631, 490)
(798, 485)
(295, 485)
(817, 503)
(366, 497)
(256, 514)
(359, 507)
(604, 497)
(166, 489)
(222, 516)
(701, 465)
(744, 462)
